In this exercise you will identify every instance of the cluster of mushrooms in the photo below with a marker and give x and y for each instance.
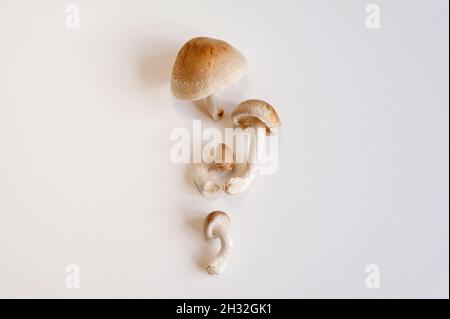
(204, 67)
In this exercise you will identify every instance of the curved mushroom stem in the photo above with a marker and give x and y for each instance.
(220, 262)
(211, 106)
(205, 185)
(239, 184)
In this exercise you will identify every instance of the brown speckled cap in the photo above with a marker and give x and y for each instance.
(256, 113)
(205, 66)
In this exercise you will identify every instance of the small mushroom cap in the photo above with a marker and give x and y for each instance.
(215, 221)
(205, 66)
(224, 158)
(256, 113)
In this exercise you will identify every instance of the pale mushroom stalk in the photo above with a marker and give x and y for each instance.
(224, 158)
(211, 106)
(240, 183)
(217, 265)
(217, 226)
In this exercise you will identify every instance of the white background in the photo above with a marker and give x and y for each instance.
(86, 179)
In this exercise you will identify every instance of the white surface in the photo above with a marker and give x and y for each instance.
(85, 118)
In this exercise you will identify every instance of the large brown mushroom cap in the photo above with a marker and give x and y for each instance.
(205, 66)
(256, 113)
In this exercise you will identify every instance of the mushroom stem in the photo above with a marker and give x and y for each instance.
(220, 262)
(239, 184)
(224, 158)
(211, 106)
